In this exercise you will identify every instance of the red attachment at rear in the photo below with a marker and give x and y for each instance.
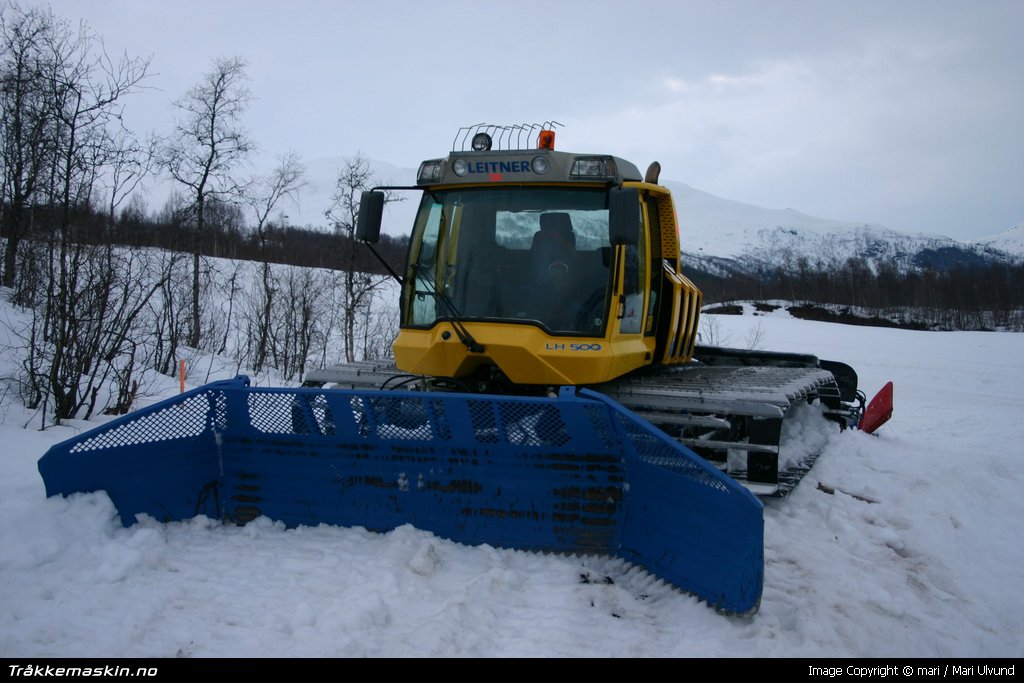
(879, 410)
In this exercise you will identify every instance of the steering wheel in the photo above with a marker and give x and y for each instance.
(590, 310)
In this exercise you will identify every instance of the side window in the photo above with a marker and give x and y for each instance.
(654, 224)
(633, 298)
(633, 295)
(424, 305)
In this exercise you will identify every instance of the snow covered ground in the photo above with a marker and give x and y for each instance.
(931, 569)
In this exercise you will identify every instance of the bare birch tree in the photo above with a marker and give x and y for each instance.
(358, 287)
(25, 117)
(205, 149)
(86, 297)
(264, 195)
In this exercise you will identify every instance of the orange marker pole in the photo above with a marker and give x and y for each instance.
(181, 375)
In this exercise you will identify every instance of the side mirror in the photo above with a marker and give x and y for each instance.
(371, 212)
(623, 215)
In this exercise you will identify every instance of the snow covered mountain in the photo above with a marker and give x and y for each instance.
(733, 235)
(722, 235)
(1010, 241)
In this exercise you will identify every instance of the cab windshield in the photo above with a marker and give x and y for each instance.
(532, 255)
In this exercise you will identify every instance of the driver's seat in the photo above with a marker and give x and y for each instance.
(554, 244)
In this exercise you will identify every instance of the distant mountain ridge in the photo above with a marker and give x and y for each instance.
(1010, 241)
(725, 234)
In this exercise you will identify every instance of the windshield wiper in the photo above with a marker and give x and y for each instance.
(423, 273)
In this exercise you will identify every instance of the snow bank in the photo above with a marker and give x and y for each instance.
(914, 552)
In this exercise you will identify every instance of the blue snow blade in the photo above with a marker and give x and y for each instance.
(576, 473)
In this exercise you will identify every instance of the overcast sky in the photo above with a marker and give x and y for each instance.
(904, 113)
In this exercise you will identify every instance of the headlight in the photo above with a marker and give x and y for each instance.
(602, 167)
(481, 142)
(459, 167)
(539, 165)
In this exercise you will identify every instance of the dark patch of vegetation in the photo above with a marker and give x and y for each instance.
(228, 236)
(946, 258)
(725, 309)
(847, 317)
(964, 297)
(766, 308)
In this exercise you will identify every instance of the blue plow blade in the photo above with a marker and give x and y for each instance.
(571, 474)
